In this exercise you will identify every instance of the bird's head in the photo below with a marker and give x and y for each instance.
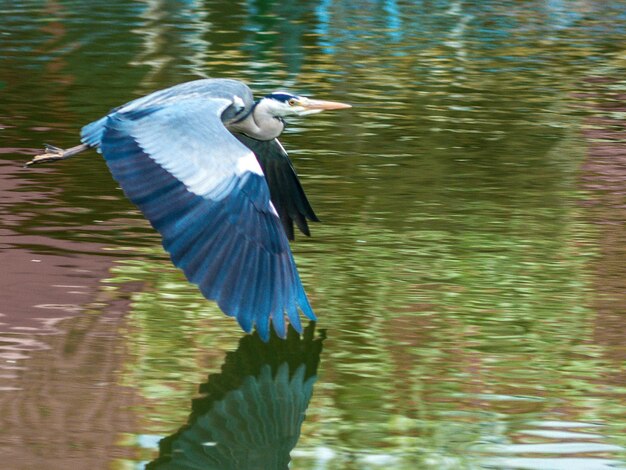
(281, 104)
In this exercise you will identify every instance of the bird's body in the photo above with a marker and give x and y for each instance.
(202, 162)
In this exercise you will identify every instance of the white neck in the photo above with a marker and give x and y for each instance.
(260, 123)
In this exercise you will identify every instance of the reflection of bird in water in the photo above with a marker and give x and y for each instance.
(251, 415)
(203, 163)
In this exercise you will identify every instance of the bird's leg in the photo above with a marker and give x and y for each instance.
(52, 154)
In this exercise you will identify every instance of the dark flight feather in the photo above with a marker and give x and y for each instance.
(286, 191)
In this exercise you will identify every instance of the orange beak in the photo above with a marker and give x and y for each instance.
(322, 105)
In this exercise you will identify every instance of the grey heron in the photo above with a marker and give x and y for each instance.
(202, 162)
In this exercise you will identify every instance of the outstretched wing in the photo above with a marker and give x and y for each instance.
(285, 188)
(206, 194)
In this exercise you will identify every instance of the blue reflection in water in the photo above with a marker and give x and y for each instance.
(253, 409)
(393, 20)
(322, 12)
(274, 27)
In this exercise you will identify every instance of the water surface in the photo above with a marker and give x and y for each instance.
(468, 274)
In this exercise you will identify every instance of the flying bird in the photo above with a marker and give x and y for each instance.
(202, 162)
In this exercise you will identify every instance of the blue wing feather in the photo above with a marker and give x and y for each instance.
(228, 240)
(263, 306)
(249, 286)
(278, 321)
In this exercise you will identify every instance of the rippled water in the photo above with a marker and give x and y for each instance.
(469, 272)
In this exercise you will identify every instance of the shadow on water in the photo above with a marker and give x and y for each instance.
(252, 411)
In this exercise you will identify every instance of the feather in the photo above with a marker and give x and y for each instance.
(286, 191)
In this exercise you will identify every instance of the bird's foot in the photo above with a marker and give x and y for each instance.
(52, 154)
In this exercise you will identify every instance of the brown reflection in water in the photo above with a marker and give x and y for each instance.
(66, 409)
(604, 175)
(55, 46)
(36, 284)
(60, 406)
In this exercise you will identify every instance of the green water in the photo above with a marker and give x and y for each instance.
(468, 273)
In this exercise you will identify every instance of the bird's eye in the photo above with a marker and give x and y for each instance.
(292, 101)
